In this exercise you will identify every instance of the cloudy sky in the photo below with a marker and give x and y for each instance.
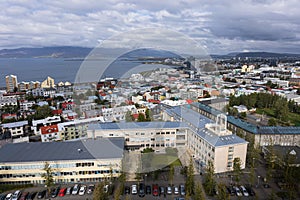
(220, 26)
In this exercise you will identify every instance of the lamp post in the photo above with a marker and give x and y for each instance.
(258, 177)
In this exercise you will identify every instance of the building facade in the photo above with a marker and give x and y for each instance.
(76, 161)
(11, 83)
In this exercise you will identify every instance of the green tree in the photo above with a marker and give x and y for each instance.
(209, 180)
(171, 173)
(43, 112)
(222, 192)
(99, 193)
(237, 171)
(272, 122)
(48, 176)
(118, 193)
(281, 109)
(198, 193)
(190, 182)
(128, 116)
(141, 117)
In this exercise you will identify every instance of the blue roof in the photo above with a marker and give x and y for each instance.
(137, 125)
(279, 130)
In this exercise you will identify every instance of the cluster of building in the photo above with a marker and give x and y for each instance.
(186, 112)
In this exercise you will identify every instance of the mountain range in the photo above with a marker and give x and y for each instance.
(82, 52)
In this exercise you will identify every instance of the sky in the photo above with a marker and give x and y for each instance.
(219, 26)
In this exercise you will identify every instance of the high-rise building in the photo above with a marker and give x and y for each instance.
(11, 83)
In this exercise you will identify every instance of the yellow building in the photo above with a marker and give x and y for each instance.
(11, 83)
(48, 83)
(73, 161)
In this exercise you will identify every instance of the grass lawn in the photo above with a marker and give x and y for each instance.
(292, 117)
(159, 160)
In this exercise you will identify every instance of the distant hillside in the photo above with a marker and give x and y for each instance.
(46, 52)
(266, 55)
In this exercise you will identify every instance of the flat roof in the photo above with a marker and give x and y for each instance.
(88, 149)
(136, 125)
(15, 124)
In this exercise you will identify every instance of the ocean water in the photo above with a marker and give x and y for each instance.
(37, 69)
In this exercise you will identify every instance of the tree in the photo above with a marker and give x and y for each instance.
(222, 192)
(171, 173)
(237, 169)
(209, 181)
(99, 193)
(141, 117)
(48, 176)
(128, 116)
(190, 182)
(198, 193)
(118, 193)
(43, 112)
(272, 122)
(281, 109)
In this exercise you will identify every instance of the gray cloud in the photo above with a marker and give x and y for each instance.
(220, 26)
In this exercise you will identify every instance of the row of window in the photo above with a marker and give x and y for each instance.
(63, 165)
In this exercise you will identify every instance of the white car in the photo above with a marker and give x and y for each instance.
(244, 191)
(133, 189)
(16, 195)
(8, 196)
(238, 192)
(75, 189)
(176, 190)
(82, 190)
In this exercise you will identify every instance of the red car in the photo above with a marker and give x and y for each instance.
(155, 190)
(62, 192)
(24, 196)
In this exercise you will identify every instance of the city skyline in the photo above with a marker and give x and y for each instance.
(219, 27)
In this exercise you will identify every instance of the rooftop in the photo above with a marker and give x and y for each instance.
(104, 148)
(136, 125)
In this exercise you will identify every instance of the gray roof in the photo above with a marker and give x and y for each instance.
(136, 125)
(103, 148)
(197, 124)
(15, 124)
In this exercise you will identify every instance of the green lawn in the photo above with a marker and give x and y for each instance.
(159, 160)
(292, 117)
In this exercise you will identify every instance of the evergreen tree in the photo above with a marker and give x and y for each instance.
(190, 182)
(198, 193)
(48, 176)
(209, 181)
(222, 192)
(237, 169)
(99, 193)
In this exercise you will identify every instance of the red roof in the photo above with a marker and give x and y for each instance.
(49, 129)
(153, 101)
(57, 112)
(189, 101)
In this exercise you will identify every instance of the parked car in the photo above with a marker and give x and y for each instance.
(69, 190)
(162, 190)
(62, 192)
(41, 194)
(230, 190)
(90, 189)
(148, 189)
(24, 196)
(8, 196)
(16, 195)
(31, 196)
(155, 190)
(250, 190)
(237, 191)
(82, 190)
(127, 190)
(244, 191)
(169, 189)
(176, 190)
(55, 192)
(182, 190)
(2, 196)
(75, 189)
(141, 190)
(133, 189)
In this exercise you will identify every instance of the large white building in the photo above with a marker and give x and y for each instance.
(75, 161)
